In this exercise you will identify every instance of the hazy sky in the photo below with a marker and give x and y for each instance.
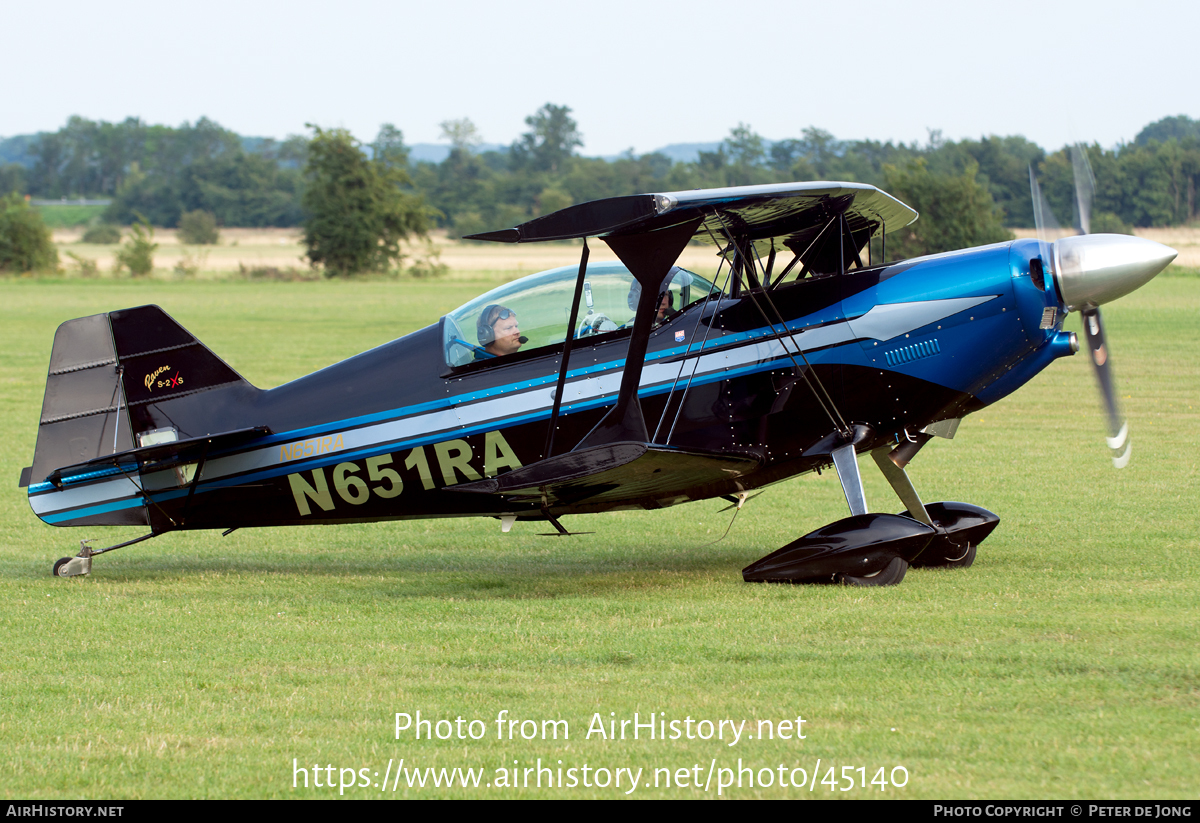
(637, 74)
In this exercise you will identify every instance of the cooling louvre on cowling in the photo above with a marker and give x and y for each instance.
(917, 351)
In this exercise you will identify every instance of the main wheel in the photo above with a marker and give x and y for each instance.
(58, 564)
(889, 575)
(943, 554)
(963, 561)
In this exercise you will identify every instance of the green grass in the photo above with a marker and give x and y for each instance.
(1062, 665)
(1180, 271)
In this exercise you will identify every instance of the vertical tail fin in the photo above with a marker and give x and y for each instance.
(105, 371)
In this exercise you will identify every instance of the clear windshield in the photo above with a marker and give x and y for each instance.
(538, 307)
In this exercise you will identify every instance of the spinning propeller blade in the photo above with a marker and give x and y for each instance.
(1085, 187)
(1093, 327)
(1093, 269)
(1118, 426)
(1043, 219)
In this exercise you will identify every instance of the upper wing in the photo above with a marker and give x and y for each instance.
(791, 215)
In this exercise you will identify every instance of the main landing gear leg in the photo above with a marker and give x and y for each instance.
(901, 485)
(81, 563)
(960, 527)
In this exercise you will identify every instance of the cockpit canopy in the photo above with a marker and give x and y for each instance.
(542, 304)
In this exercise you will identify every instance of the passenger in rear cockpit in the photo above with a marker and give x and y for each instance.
(666, 309)
(666, 300)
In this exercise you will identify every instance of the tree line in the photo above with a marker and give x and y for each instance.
(1150, 182)
(968, 192)
(163, 172)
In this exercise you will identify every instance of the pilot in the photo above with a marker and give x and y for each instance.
(498, 332)
(666, 308)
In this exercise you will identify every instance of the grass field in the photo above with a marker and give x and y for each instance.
(1064, 664)
(69, 216)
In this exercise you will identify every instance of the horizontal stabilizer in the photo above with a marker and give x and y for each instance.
(629, 472)
(162, 454)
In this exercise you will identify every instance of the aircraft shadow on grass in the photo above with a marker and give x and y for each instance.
(437, 572)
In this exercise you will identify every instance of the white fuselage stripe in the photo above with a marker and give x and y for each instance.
(882, 322)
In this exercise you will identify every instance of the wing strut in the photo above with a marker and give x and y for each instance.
(566, 356)
(800, 256)
(845, 230)
(649, 258)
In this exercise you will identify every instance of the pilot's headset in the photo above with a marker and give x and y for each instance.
(483, 326)
(685, 282)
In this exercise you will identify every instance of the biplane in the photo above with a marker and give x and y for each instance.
(604, 386)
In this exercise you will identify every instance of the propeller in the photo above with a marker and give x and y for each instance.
(1085, 187)
(1118, 426)
(1090, 269)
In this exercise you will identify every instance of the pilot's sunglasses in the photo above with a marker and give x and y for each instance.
(503, 314)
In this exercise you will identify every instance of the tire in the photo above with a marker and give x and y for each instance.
(58, 564)
(889, 575)
(963, 561)
(947, 555)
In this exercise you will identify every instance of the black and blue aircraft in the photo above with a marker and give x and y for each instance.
(626, 385)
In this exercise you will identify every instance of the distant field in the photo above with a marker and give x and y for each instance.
(282, 249)
(69, 216)
(1064, 664)
(1184, 239)
(277, 248)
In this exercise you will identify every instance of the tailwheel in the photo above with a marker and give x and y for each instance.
(82, 562)
(73, 566)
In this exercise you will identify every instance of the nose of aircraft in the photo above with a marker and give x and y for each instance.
(1093, 269)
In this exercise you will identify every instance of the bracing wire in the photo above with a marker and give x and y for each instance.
(801, 255)
(696, 360)
(834, 415)
(791, 335)
(145, 495)
(683, 361)
(117, 397)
